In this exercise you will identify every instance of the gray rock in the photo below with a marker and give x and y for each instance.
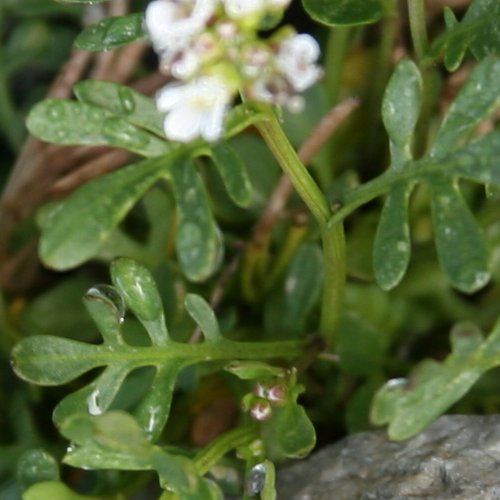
(457, 457)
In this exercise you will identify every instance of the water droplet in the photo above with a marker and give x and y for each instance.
(290, 284)
(96, 114)
(402, 246)
(111, 296)
(395, 384)
(61, 135)
(480, 279)
(54, 112)
(123, 134)
(126, 99)
(190, 241)
(93, 403)
(256, 479)
(153, 418)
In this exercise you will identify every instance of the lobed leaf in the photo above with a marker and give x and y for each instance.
(116, 441)
(408, 406)
(233, 172)
(344, 12)
(122, 101)
(392, 245)
(401, 108)
(477, 98)
(460, 244)
(81, 124)
(35, 466)
(141, 295)
(204, 316)
(288, 433)
(111, 33)
(197, 239)
(49, 360)
(96, 397)
(81, 223)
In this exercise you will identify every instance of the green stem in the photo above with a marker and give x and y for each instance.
(334, 266)
(222, 445)
(287, 158)
(338, 42)
(184, 354)
(382, 184)
(416, 13)
(333, 236)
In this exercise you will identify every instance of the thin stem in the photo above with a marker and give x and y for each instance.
(333, 235)
(416, 12)
(221, 445)
(187, 354)
(338, 42)
(286, 156)
(334, 267)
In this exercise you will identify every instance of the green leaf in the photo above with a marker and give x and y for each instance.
(82, 222)
(203, 315)
(408, 406)
(288, 433)
(392, 245)
(197, 240)
(107, 308)
(457, 45)
(54, 490)
(153, 410)
(344, 12)
(479, 96)
(178, 475)
(35, 466)
(252, 370)
(361, 347)
(478, 161)
(459, 241)
(48, 360)
(139, 289)
(111, 33)
(287, 311)
(486, 38)
(122, 101)
(82, 124)
(233, 173)
(401, 107)
(95, 398)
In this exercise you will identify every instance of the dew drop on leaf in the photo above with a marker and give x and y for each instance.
(109, 295)
(255, 480)
(126, 99)
(120, 134)
(93, 403)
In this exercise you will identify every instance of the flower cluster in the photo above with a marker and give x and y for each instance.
(211, 50)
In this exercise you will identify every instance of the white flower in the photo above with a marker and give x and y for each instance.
(296, 60)
(171, 24)
(194, 109)
(238, 9)
(279, 4)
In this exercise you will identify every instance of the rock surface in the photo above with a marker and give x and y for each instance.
(457, 457)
